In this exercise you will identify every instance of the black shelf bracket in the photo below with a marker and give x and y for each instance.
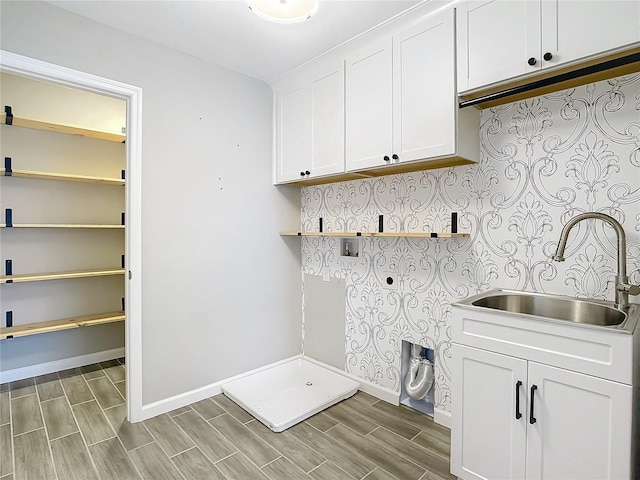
(9, 321)
(454, 222)
(9, 115)
(7, 167)
(8, 217)
(8, 269)
(122, 218)
(380, 223)
(122, 174)
(320, 225)
(122, 303)
(122, 261)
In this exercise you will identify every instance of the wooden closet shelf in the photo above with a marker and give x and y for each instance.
(61, 225)
(63, 176)
(36, 277)
(55, 127)
(376, 234)
(63, 324)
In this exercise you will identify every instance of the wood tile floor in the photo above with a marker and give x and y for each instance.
(71, 425)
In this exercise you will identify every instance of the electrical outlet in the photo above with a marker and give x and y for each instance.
(390, 280)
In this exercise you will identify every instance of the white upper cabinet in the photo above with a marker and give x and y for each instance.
(383, 103)
(574, 29)
(310, 126)
(401, 97)
(424, 93)
(293, 133)
(499, 40)
(369, 110)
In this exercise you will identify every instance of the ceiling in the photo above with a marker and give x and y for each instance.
(225, 32)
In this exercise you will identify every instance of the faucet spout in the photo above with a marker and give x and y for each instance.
(623, 289)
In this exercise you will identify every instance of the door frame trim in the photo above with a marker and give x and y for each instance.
(132, 95)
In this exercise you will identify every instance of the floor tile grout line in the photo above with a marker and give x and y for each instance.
(389, 416)
(184, 451)
(13, 443)
(23, 396)
(196, 443)
(84, 440)
(222, 459)
(159, 444)
(379, 442)
(46, 432)
(30, 431)
(88, 382)
(250, 434)
(104, 440)
(269, 463)
(372, 439)
(317, 466)
(143, 445)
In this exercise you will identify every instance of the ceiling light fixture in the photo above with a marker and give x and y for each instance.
(284, 11)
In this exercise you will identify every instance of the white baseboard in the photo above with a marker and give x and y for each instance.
(378, 391)
(58, 365)
(166, 405)
(442, 417)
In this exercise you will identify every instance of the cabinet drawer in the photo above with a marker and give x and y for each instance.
(592, 351)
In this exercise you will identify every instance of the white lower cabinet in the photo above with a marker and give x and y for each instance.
(519, 419)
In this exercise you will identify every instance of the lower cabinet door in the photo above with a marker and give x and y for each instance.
(578, 426)
(488, 434)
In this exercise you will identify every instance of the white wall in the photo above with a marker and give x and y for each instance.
(220, 288)
(543, 160)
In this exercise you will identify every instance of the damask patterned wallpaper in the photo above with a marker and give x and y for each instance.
(543, 160)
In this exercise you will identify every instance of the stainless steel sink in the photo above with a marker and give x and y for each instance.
(555, 307)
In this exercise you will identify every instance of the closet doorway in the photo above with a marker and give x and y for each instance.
(70, 240)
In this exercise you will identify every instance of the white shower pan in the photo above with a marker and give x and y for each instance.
(289, 393)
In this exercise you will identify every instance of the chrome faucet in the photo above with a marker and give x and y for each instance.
(623, 287)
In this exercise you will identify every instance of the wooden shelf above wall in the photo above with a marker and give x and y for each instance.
(375, 234)
(38, 277)
(63, 324)
(59, 225)
(63, 176)
(57, 128)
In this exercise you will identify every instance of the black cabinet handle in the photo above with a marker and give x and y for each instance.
(386, 158)
(518, 414)
(532, 419)
(394, 156)
(532, 61)
(548, 56)
(307, 172)
(302, 174)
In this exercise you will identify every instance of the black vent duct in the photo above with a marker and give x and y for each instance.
(563, 77)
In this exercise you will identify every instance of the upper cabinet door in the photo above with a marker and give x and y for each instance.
(582, 426)
(310, 125)
(369, 107)
(293, 133)
(327, 121)
(424, 94)
(574, 29)
(497, 40)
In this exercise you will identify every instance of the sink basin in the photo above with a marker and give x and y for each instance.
(553, 307)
